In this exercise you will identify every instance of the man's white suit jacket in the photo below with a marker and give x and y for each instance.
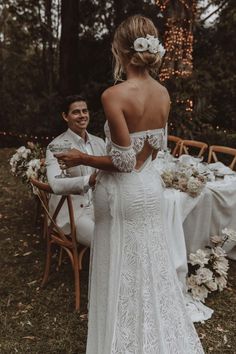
(77, 185)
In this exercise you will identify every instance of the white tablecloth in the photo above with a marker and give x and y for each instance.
(191, 222)
(215, 210)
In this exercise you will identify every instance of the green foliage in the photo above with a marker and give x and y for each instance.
(26, 104)
(29, 66)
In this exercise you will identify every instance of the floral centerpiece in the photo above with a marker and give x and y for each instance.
(186, 179)
(28, 162)
(208, 268)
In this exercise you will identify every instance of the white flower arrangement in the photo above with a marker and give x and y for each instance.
(150, 44)
(189, 181)
(208, 269)
(28, 162)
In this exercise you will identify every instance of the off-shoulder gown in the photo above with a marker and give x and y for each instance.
(135, 302)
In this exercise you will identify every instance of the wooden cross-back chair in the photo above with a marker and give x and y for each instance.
(225, 150)
(56, 236)
(198, 146)
(174, 143)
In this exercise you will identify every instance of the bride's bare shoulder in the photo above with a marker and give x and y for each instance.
(162, 91)
(116, 92)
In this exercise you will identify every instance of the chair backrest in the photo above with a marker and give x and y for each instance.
(214, 149)
(174, 143)
(43, 191)
(196, 145)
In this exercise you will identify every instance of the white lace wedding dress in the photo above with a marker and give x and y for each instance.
(135, 303)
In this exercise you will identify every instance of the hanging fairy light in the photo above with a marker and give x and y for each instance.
(24, 136)
(178, 38)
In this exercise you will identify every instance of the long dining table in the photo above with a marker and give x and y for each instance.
(191, 221)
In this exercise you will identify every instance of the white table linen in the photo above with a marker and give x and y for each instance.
(191, 222)
(215, 210)
(178, 206)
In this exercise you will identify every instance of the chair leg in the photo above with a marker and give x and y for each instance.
(60, 258)
(45, 228)
(47, 264)
(77, 281)
(81, 254)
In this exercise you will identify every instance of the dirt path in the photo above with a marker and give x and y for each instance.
(35, 320)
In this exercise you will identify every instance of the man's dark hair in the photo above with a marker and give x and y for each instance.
(68, 100)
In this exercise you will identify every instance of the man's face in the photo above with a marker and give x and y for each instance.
(77, 117)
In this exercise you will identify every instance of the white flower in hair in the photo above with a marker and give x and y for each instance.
(161, 50)
(140, 44)
(150, 43)
(153, 44)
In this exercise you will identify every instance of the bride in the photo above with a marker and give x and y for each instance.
(135, 303)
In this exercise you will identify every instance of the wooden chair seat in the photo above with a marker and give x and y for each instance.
(56, 236)
(215, 150)
(194, 145)
(174, 143)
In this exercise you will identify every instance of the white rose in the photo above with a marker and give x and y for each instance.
(140, 44)
(203, 275)
(26, 153)
(161, 50)
(200, 293)
(35, 164)
(199, 258)
(13, 161)
(223, 260)
(218, 252)
(211, 285)
(21, 149)
(168, 178)
(221, 268)
(191, 281)
(194, 186)
(216, 239)
(31, 173)
(182, 184)
(221, 282)
(153, 44)
(15, 157)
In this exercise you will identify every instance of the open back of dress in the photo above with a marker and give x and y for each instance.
(125, 158)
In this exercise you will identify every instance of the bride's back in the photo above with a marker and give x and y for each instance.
(137, 105)
(145, 104)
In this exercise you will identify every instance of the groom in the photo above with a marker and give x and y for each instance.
(75, 113)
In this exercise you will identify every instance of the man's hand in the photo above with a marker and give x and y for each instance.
(92, 179)
(71, 158)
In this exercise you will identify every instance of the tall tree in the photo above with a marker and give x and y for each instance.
(49, 44)
(69, 51)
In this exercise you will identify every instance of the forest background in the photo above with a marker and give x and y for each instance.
(52, 48)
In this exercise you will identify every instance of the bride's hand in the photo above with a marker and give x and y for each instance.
(71, 158)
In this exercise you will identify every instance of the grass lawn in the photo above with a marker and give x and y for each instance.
(35, 320)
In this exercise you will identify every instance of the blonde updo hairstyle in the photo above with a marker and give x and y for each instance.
(122, 47)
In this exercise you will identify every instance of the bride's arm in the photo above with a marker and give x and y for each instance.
(76, 157)
(122, 156)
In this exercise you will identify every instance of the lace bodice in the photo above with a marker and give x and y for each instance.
(124, 158)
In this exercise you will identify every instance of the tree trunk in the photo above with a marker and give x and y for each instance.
(119, 6)
(69, 74)
(49, 45)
